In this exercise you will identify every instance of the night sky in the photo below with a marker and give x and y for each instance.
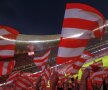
(39, 17)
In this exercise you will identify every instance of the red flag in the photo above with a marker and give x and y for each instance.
(33, 77)
(41, 61)
(78, 63)
(45, 77)
(97, 77)
(81, 23)
(64, 68)
(96, 66)
(23, 82)
(69, 68)
(8, 36)
(13, 76)
(6, 67)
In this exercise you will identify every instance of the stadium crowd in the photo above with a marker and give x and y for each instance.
(92, 79)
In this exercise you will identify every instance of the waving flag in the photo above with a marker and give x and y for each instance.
(64, 68)
(22, 81)
(13, 76)
(78, 63)
(96, 66)
(8, 36)
(81, 23)
(6, 67)
(68, 68)
(41, 61)
(97, 77)
(33, 77)
(72, 68)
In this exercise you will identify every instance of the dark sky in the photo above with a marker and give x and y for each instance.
(40, 16)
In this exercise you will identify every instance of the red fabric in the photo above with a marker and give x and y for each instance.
(6, 67)
(89, 84)
(41, 61)
(96, 66)
(77, 30)
(7, 45)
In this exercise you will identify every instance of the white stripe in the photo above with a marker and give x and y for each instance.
(67, 68)
(70, 65)
(6, 42)
(26, 81)
(98, 73)
(5, 65)
(70, 52)
(40, 63)
(42, 57)
(82, 14)
(9, 82)
(85, 56)
(70, 69)
(12, 75)
(21, 84)
(4, 32)
(7, 52)
(86, 15)
(78, 63)
(76, 33)
(98, 79)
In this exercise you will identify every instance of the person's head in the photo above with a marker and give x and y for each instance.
(30, 47)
